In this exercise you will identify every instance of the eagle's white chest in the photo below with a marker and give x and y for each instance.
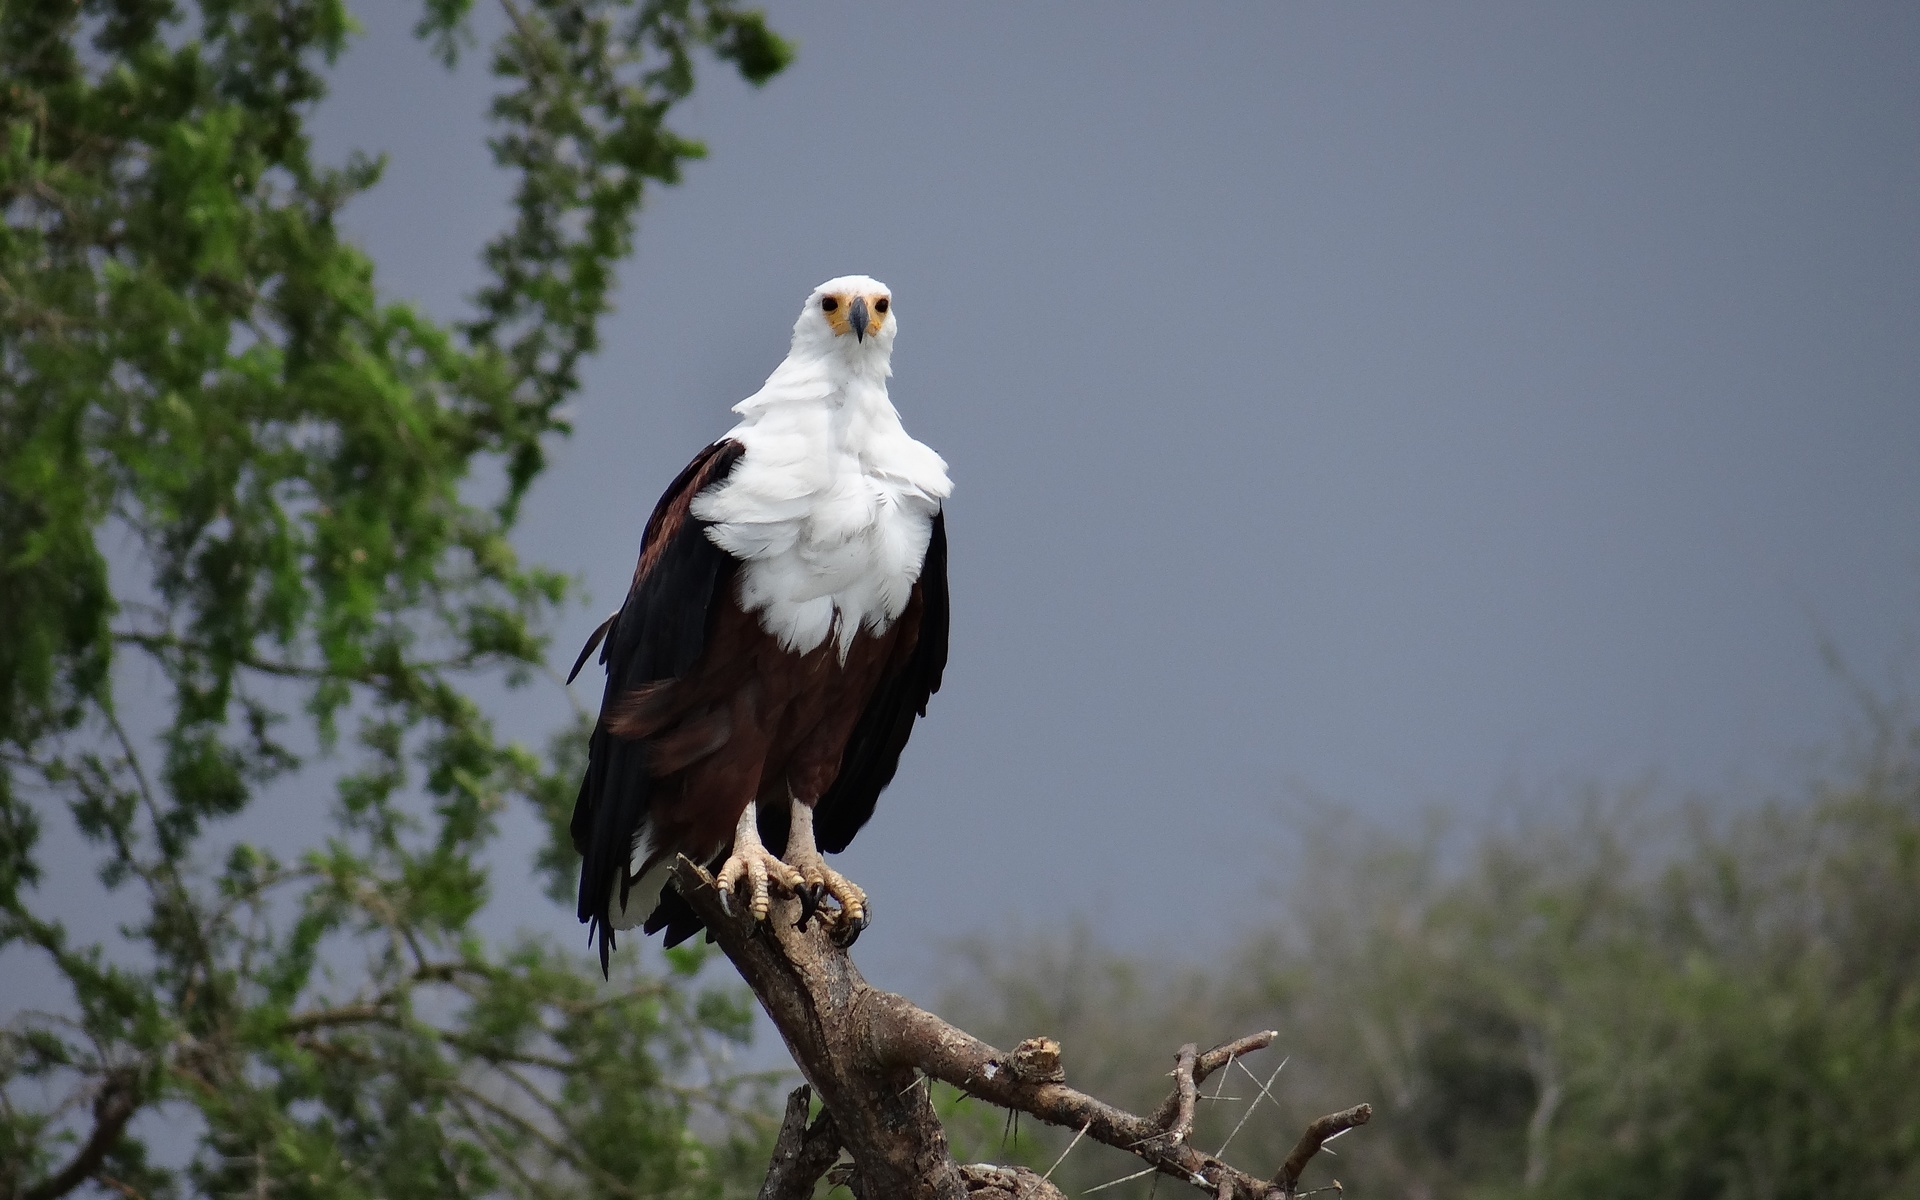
(829, 509)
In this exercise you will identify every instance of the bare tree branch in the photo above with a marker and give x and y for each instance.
(1216, 1059)
(818, 1001)
(1187, 1091)
(803, 1152)
(905, 1033)
(863, 1050)
(1317, 1135)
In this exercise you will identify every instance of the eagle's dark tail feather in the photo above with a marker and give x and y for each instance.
(675, 916)
(612, 807)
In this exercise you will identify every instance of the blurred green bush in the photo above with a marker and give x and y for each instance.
(1608, 999)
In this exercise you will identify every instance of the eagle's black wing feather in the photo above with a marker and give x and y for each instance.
(657, 634)
(593, 640)
(873, 752)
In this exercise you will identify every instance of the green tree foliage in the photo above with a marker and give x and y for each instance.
(307, 493)
(1632, 1002)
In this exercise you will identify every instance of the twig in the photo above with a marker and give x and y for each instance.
(548, 1142)
(500, 1153)
(1322, 1130)
(346, 1014)
(1189, 1093)
(1223, 1055)
(802, 1153)
(379, 1008)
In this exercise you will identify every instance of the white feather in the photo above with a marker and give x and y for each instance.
(642, 898)
(832, 503)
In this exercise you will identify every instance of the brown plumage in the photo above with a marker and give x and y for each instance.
(752, 721)
(705, 712)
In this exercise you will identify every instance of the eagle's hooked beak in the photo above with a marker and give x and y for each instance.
(857, 318)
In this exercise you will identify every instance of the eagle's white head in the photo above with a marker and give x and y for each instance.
(850, 316)
(830, 508)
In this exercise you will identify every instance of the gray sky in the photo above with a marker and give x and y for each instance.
(1391, 404)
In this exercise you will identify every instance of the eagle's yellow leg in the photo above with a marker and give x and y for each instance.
(803, 855)
(752, 861)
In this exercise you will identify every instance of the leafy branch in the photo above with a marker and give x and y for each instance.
(225, 456)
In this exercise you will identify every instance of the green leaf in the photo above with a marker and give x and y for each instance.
(201, 381)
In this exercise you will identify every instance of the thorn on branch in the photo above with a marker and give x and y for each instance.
(1117, 1182)
(1213, 1060)
(1266, 1093)
(1067, 1151)
(1319, 1132)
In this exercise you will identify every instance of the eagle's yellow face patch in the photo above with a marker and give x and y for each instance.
(842, 308)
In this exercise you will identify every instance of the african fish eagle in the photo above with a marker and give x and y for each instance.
(785, 625)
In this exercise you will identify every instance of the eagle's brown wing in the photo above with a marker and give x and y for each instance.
(657, 634)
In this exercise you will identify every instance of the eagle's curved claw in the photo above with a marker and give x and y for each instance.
(847, 930)
(760, 868)
(811, 906)
(819, 881)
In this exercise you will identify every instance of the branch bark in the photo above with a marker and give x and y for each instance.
(820, 1004)
(1318, 1134)
(1213, 1060)
(803, 1152)
(1186, 1092)
(864, 1051)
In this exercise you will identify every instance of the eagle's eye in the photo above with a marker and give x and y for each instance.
(829, 304)
(880, 305)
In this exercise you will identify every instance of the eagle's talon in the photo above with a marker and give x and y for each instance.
(810, 897)
(760, 869)
(823, 881)
(846, 931)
